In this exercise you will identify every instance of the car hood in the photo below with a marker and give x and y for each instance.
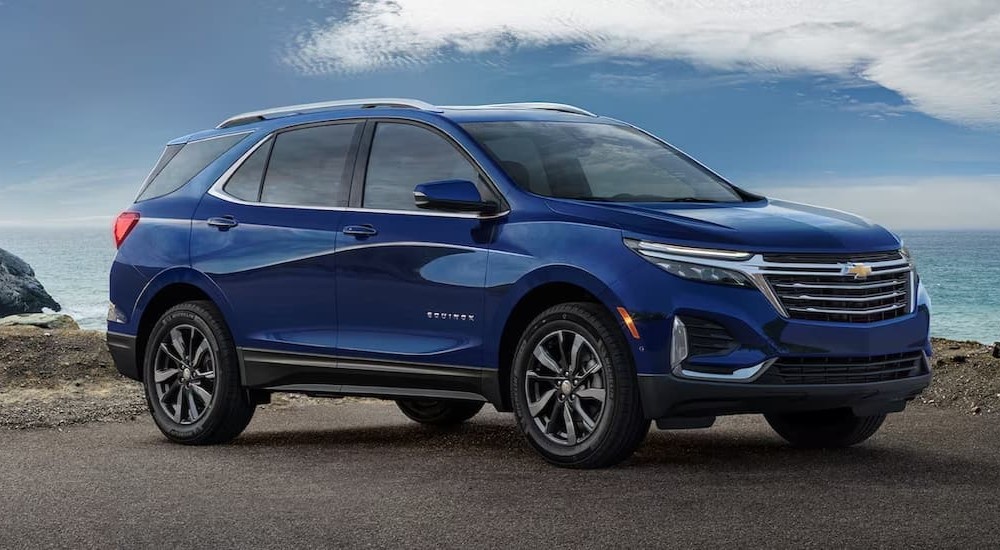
(762, 226)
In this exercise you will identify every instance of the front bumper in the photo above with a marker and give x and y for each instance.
(668, 396)
(760, 334)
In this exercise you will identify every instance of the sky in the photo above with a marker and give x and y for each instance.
(890, 109)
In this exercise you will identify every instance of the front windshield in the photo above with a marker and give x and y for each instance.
(599, 162)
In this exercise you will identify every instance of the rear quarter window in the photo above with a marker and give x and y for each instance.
(180, 163)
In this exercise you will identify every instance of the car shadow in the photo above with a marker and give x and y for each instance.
(751, 455)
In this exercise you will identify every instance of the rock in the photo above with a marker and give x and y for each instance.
(959, 359)
(40, 320)
(996, 350)
(20, 292)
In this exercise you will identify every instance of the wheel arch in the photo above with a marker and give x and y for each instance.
(535, 293)
(166, 290)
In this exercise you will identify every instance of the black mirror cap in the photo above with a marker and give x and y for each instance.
(452, 196)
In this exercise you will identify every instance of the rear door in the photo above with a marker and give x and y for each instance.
(266, 236)
(410, 282)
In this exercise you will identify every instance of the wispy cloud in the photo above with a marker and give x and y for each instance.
(905, 203)
(653, 82)
(69, 194)
(943, 56)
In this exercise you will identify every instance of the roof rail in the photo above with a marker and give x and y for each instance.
(254, 116)
(561, 107)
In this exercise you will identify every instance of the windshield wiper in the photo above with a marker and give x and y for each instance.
(593, 199)
(690, 199)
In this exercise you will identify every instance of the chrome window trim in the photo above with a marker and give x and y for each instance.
(217, 191)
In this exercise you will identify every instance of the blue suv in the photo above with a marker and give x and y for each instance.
(567, 267)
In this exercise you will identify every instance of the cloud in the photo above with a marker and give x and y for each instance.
(906, 203)
(652, 82)
(943, 56)
(71, 194)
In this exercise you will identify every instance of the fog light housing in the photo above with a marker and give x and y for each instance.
(678, 344)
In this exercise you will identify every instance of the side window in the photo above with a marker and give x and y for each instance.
(180, 163)
(309, 167)
(404, 156)
(245, 182)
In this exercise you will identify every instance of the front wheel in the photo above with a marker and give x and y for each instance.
(574, 388)
(439, 412)
(191, 377)
(827, 429)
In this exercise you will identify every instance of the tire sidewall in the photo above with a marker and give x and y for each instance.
(180, 315)
(538, 330)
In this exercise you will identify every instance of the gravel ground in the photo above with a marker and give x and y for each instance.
(966, 378)
(53, 378)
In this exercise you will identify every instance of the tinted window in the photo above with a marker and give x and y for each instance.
(178, 168)
(592, 161)
(245, 183)
(309, 167)
(403, 156)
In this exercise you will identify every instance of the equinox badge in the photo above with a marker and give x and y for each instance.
(450, 316)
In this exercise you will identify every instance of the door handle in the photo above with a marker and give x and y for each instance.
(364, 230)
(223, 223)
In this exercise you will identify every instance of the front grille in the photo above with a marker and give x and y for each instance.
(841, 370)
(707, 338)
(815, 287)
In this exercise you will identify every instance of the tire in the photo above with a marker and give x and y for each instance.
(439, 412)
(197, 358)
(603, 407)
(827, 429)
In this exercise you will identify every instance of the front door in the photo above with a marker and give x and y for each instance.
(410, 282)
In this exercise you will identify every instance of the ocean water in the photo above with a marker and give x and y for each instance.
(961, 270)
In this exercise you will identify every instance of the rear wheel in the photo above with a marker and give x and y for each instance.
(191, 377)
(574, 388)
(830, 429)
(439, 412)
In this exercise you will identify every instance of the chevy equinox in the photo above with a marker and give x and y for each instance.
(567, 267)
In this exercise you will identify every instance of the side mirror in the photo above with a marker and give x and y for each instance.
(453, 196)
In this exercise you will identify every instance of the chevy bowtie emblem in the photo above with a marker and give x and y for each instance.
(860, 271)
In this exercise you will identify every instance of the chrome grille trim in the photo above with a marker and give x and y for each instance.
(803, 290)
(847, 311)
(864, 286)
(870, 298)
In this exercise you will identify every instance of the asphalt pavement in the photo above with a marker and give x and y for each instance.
(358, 474)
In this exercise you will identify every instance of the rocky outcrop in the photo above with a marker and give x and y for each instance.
(20, 292)
(40, 320)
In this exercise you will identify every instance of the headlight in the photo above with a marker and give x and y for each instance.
(661, 255)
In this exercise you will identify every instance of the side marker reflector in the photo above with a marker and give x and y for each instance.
(629, 323)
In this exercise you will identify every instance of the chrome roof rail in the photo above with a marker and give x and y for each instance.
(561, 107)
(254, 116)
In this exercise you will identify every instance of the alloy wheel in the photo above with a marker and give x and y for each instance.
(565, 387)
(184, 374)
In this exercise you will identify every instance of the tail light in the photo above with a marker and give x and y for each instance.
(124, 224)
